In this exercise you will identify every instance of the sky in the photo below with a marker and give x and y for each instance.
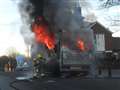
(10, 23)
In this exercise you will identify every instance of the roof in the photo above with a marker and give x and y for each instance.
(98, 26)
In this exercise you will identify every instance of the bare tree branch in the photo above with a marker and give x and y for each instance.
(109, 3)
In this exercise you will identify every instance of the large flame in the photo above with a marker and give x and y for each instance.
(43, 36)
(81, 45)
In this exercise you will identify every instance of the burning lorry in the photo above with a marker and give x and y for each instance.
(67, 37)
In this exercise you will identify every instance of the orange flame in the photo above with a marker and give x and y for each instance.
(81, 45)
(43, 36)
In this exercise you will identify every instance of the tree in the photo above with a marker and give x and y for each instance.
(109, 3)
(12, 52)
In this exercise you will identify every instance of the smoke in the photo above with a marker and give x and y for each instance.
(26, 9)
(39, 48)
(62, 15)
(29, 10)
(67, 16)
(28, 36)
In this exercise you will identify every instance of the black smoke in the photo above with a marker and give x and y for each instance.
(62, 15)
(38, 7)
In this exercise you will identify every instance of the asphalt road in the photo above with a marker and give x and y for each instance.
(59, 83)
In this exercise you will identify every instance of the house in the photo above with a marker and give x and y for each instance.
(102, 36)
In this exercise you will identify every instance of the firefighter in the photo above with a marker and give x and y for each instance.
(39, 64)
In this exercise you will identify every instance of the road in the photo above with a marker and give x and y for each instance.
(59, 83)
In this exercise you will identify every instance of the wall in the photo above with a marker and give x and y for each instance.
(99, 29)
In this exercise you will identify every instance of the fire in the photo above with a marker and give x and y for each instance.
(81, 45)
(43, 36)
